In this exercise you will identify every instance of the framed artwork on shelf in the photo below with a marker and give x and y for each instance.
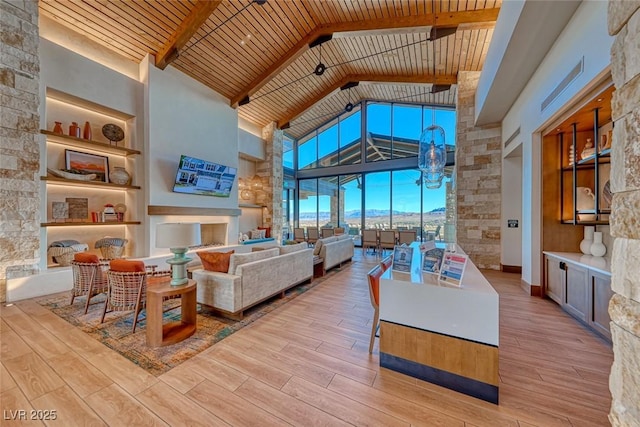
(88, 163)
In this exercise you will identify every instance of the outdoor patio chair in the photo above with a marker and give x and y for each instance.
(298, 235)
(387, 239)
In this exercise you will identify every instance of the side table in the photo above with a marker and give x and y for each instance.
(159, 334)
(318, 266)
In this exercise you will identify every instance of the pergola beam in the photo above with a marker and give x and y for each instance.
(187, 28)
(416, 79)
(472, 18)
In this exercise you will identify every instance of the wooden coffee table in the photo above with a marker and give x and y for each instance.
(159, 334)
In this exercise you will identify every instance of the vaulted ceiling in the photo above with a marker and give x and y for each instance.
(265, 55)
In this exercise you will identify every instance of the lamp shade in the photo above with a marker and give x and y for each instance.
(177, 234)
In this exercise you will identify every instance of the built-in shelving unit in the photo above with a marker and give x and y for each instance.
(66, 108)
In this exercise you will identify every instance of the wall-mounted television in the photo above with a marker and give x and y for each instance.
(196, 176)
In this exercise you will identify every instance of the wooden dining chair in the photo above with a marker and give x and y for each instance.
(406, 236)
(387, 240)
(89, 277)
(369, 240)
(312, 235)
(386, 263)
(374, 294)
(298, 235)
(327, 232)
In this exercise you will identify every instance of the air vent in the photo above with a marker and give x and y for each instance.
(512, 137)
(575, 72)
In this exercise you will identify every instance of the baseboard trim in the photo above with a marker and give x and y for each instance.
(511, 268)
(533, 290)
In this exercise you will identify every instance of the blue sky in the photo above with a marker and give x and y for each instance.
(407, 121)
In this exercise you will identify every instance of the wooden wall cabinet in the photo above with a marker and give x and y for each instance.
(581, 291)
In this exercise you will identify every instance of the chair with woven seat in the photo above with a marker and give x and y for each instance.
(89, 277)
(298, 235)
(338, 230)
(387, 239)
(312, 236)
(369, 240)
(127, 288)
(406, 236)
(374, 294)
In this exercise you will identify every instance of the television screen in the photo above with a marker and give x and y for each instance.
(197, 176)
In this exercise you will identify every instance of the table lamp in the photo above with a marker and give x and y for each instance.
(178, 237)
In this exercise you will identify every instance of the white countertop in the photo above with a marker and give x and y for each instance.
(596, 263)
(472, 280)
(417, 300)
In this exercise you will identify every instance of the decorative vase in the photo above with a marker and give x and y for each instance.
(119, 176)
(74, 130)
(587, 241)
(597, 247)
(86, 133)
(58, 128)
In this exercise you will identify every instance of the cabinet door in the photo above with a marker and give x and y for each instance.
(576, 295)
(600, 294)
(554, 279)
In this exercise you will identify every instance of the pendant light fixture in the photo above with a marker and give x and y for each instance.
(432, 155)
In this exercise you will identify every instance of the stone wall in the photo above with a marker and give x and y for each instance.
(271, 172)
(19, 141)
(624, 308)
(478, 179)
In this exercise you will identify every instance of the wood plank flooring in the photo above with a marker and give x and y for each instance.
(304, 364)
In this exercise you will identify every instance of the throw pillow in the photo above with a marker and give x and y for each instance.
(267, 231)
(215, 261)
(126, 266)
(86, 257)
(257, 234)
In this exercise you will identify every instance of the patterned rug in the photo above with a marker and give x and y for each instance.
(116, 334)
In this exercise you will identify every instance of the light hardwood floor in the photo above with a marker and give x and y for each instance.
(306, 364)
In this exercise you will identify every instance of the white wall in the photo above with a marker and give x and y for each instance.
(511, 238)
(586, 37)
(183, 116)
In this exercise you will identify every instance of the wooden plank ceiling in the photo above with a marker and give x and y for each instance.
(260, 49)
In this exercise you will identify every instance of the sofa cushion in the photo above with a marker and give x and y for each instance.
(321, 242)
(239, 259)
(215, 261)
(127, 266)
(287, 249)
(267, 231)
(86, 257)
(257, 234)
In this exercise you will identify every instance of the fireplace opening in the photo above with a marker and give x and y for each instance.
(213, 234)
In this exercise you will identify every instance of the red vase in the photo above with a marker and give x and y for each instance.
(74, 130)
(58, 128)
(86, 133)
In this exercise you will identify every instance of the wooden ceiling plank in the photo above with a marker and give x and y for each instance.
(447, 19)
(59, 12)
(181, 36)
(140, 19)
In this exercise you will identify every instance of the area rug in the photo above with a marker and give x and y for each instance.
(116, 334)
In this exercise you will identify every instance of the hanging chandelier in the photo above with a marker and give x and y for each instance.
(432, 156)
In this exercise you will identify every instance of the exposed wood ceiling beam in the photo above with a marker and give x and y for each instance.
(443, 19)
(198, 15)
(419, 79)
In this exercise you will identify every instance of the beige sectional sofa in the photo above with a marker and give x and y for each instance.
(254, 277)
(334, 250)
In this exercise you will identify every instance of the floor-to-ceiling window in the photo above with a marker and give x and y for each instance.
(335, 188)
